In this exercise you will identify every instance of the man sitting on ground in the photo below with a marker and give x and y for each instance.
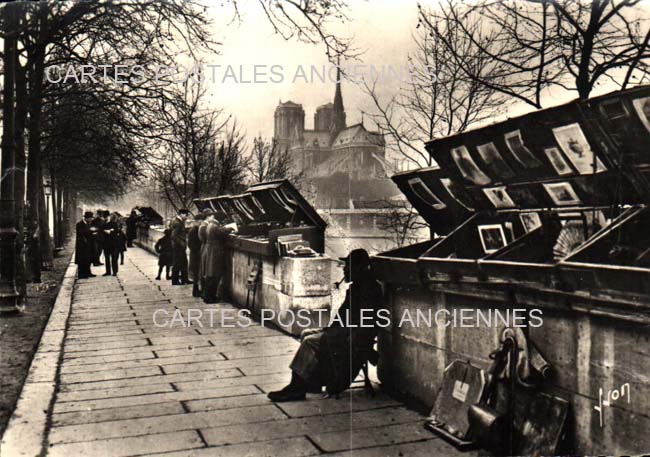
(333, 356)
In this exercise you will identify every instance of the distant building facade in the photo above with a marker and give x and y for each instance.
(341, 163)
(344, 169)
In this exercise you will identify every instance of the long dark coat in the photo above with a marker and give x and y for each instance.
(164, 249)
(179, 243)
(131, 230)
(84, 249)
(334, 356)
(214, 251)
(194, 244)
(202, 234)
(109, 237)
(345, 348)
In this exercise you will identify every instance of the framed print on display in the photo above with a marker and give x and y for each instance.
(492, 237)
(562, 194)
(530, 221)
(468, 167)
(515, 143)
(499, 197)
(280, 201)
(557, 160)
(575, 146)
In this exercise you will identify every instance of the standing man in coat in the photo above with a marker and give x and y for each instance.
(131, 228)
(110, 245)
(179, 247)
(194, 243)
(84, 249)
(214, 258)
(97, 229)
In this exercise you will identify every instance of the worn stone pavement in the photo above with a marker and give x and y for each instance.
(126, 387)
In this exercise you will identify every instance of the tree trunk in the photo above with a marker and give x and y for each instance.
(56, 228)
(36, 61)
(63, 229)
(53, 207)
(70, 214)
(19, 183)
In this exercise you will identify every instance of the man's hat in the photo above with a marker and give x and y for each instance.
(88, 214)
(183, 211)
(357, 256)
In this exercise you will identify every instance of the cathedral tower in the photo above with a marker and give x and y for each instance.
(289, 118)
(338, 116)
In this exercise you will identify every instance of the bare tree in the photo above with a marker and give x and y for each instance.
(122, 32)
(438, 99)
(401, 221)
(89, 32)
(231, 162)
(203, 154)
(268, 161)
(309, 21)
(87, 152)
(535, 45)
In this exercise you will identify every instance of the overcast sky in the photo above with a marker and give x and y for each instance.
(382, 28)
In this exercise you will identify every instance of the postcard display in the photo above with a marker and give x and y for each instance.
(273, 219)
(547, 210)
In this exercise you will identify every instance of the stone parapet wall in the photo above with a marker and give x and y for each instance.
(587, 352)
(285, 286)
(147, 238)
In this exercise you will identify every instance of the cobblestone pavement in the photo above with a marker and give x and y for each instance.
(127, 387)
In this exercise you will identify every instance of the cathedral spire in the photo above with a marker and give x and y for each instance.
(338, 121)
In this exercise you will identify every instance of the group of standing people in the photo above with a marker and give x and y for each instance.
(96, 234)
(205, 237)
(329, 357)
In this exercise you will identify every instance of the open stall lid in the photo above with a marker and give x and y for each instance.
(151, 214)
(281, 202)
(580, 154)
(209, 203)
(201, 203)
(441, 202)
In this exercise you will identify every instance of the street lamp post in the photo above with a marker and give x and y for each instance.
(9, 297)
(47, 189)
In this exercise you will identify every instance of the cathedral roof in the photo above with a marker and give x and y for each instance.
(358, 135)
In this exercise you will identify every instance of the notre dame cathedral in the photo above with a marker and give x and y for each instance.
(345, 166)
